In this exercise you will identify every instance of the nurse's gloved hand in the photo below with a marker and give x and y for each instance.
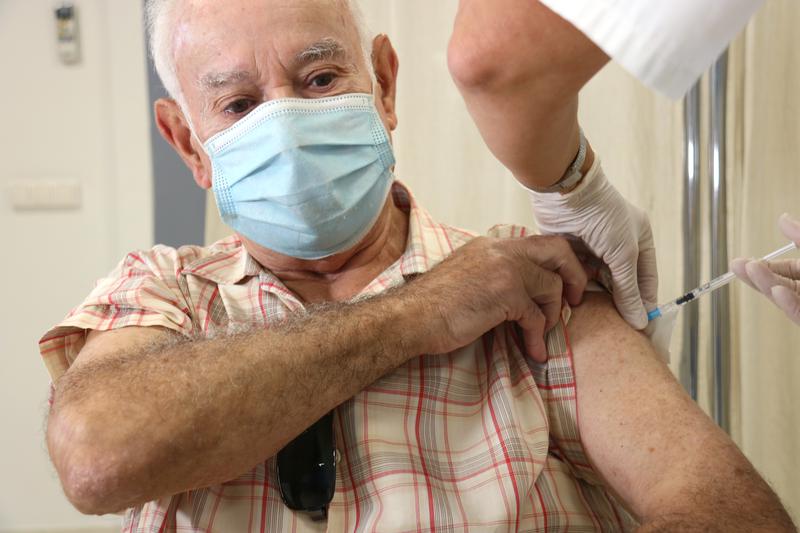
(615, 231)
(777, 280)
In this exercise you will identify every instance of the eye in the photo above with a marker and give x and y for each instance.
(323, 80)
(237, 107)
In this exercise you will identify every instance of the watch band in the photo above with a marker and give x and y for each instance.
(573, 174)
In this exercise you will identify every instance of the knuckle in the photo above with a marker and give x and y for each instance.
(626, 252)
(557, 283)
(544, 240)
(548, 281)
(559, 242)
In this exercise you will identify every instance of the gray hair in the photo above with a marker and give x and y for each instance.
(160, 22)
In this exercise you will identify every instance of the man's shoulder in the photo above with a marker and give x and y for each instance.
(509, 231)
(170, 262)
(459, 236)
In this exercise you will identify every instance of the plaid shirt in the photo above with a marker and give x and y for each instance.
(479, 439)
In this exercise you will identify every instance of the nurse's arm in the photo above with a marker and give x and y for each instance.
(652, 445)
(520, 67)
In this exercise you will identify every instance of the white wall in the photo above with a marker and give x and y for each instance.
(87, 122)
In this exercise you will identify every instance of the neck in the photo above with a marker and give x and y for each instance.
(342, 276)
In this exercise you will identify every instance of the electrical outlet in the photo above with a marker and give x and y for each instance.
(45, 194)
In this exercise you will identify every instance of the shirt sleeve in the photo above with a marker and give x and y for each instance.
(556, 383)
(558, 388)
(666, 44)
(142, 290)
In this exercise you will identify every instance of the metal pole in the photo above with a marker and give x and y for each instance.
(691, 237)
(720, 308)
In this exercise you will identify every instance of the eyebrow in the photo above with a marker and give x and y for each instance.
(217, 80)
(323, 50)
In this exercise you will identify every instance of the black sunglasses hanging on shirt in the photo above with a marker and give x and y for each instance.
(306, 470)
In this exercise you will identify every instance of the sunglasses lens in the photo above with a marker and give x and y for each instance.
(307, 468)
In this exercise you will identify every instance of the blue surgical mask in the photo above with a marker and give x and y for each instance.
(306, 178)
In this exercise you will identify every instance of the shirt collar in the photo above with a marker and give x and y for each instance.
(428, 244)
(227, 266)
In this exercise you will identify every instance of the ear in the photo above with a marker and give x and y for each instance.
(175, 129)
(386, 65)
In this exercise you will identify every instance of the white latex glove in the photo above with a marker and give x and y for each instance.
(615, 231)
(778, 280)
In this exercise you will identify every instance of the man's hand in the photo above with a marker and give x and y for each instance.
(491, 281)
(777, 280)
(615, 231)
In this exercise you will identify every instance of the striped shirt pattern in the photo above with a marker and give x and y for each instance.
(479, 439)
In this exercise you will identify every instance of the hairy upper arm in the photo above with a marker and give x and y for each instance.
(648, 440)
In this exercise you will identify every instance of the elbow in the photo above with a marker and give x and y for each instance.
(473, 63)
(489, 58)
(88, 476)
(86, 490)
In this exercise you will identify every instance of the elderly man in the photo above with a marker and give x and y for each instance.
(182, 376)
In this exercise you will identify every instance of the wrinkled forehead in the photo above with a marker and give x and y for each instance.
(214, 35)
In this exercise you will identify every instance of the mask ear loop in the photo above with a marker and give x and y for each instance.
(373, 77)
(192, 129)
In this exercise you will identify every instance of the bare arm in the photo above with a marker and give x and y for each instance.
(520, 67)
(673, 467)
(142, 415)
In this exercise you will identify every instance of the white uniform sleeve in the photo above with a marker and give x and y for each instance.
(666, 44)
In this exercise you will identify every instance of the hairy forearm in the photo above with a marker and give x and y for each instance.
(745, 519)
(734, 499)
(194, 413)
(520, 68)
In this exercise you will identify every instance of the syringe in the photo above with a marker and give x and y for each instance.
(711, 286)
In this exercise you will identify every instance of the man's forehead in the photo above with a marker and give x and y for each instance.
(216, 42)
(303, 22)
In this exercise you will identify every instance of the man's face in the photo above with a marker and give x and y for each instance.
(232, 56)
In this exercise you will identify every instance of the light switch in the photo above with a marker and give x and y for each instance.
(45, 194)
(69, 48)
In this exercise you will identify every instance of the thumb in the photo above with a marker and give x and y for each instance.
(788, 301)
(790, 227)
(648, 276)
(627, 297)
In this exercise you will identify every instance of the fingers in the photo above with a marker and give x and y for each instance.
(533, 327)
(765, 279)
(591, 264)
(648, 277)
(627, 297)
(632, 260)
(545, 290)
(787, 268)
(777, 280)
(556, 255)
(648, 274)
(790, 227)
(788, 301)
(739, 267)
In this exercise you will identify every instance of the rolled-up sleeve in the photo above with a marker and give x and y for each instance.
(142, 291)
